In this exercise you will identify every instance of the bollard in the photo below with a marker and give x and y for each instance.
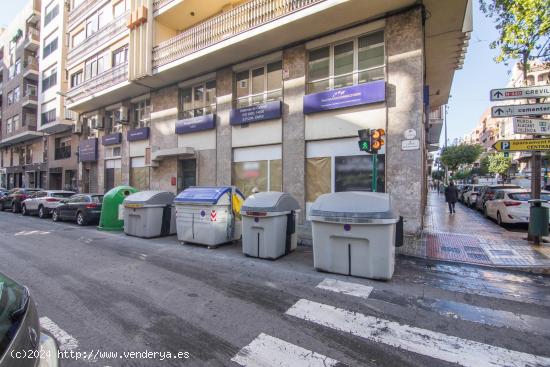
(538, 220)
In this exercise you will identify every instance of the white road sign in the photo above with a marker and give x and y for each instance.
(524, 125)
(413, 144)
(502, 94)
(521, 110)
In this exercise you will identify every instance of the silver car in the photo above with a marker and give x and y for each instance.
(43, 202)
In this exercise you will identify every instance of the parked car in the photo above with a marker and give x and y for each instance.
(3, 191)
(22, 342)
(488, 193)
(14, 199)
(462, 191)
(43, 202)
(511, 206)
(470, 196)
(80, 208)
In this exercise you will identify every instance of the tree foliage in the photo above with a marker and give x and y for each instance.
(500, 164)
(523, 26)
(454, 156)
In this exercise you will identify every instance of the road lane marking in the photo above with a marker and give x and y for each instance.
(426, 342)
(65, 340)
(266, 351)
(350, 289)
(488, 316)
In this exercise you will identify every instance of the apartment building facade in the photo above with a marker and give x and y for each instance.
(265, 95)
(21, 145)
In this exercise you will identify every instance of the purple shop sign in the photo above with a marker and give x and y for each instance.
(265, 111)
(194, 124)
(87, 150)
(138, 134)
(356, 95)
(112, 139)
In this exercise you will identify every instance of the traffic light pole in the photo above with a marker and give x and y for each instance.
(374, 172)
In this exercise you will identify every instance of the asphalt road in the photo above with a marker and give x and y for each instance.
(102, 292)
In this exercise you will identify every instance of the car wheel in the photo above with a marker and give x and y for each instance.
(41, 212)
(55, 216)
(80, 219)
(499, 220)
(24, 210)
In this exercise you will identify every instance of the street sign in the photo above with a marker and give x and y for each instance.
(520, 110)
(524, 125)
(502, 94)
(522, 145)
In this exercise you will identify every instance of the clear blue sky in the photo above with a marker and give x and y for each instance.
(470, 90)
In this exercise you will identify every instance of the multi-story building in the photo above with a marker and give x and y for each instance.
(262, 94)
(21, 145)
(54, 119)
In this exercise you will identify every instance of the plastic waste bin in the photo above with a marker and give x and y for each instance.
(112, 211)
(149, 214)
(354, 234)
(209, 215)
(269, 224)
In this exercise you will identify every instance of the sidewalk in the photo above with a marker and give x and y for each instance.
(468, 237)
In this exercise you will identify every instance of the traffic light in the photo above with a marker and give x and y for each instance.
(376, 140)
(364, 140)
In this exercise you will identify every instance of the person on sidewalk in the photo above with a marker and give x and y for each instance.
(451, 196)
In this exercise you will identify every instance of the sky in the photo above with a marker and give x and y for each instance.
(471, 85)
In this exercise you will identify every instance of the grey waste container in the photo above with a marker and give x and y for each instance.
(269, 224)
(149, 214)
(209, 215)
(354, 234)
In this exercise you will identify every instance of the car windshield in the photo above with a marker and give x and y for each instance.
(525, 196)
(61, 194)
(13, 302)
(97, 199)
(476, 189)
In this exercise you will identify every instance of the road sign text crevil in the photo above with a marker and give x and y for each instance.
(502, 94)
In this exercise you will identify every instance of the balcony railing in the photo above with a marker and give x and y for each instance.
(107, 79)
(99, 38)
(31, 63)
(33, 34)
(157, 4)
(76, 13)
(238, 20)
(62, 152)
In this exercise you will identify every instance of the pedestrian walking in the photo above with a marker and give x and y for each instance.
(451, 196)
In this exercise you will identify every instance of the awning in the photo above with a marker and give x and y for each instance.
(160, 154)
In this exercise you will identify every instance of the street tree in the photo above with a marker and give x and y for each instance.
(499, 164)
(524, 28)
(455, 156)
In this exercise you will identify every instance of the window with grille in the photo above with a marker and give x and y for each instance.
(259, 85)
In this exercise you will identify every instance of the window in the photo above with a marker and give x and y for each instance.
(49, 78)
(78, 38)
(198, 100)
(9, 125)
(62, 148)
(48, 116)
(50, 46)
(10, 98)
(11, 72)
(17, 67)
(139, 174)
(16, 95)
(77, 3)
(52, 10)
(98, 20)
(120, 56)
(76, 78)
(28, 156)
(94, 66)
(348, 63)
(111, 124)
(30, 90)
(12, 297)
(259, 85)
(141, 113)
(258, 176)
(120, 8)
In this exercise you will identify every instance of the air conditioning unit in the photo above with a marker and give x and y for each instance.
(78, 125)
(122, 115)
(96, 122)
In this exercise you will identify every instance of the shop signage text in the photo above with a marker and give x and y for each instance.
(261, 112)
(356, 95)
(87, 150)
(111, 139)
(138, 134)
(524, 125)
(502, 94)
(520, 110)
(194, 124)
(522, 145)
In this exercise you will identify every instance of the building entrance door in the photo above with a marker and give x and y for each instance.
(188, 169)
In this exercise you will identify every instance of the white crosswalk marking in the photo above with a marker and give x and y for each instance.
(426, 342)
(350, 289)
(65, 340)
(267, 351)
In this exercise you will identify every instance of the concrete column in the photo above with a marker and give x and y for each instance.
(404, 169)
(125, 161)
(294, 148)
(224, 91)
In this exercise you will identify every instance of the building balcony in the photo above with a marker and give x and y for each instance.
(29, 100)
(30, 68)
(62, 152)
(158, 4)
(32, 40)
(63, 122)
(21, 134)
(98, 39)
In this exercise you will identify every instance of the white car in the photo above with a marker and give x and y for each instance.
(511, 206)
(470, 196)
(43, 202)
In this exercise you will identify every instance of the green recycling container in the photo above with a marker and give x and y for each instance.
(538, 225)
(112, 210)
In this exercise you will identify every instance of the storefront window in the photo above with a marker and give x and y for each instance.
(354, 173)
(341, 65)
(318, 177)
(259, 85)
(113, 173)
(258, 176)
(198, 100)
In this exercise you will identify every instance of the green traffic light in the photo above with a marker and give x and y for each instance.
(364, 145)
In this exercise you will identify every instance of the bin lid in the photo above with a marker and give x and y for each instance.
(204, 194)
(272, 201)
(151, 197)
(355, 206)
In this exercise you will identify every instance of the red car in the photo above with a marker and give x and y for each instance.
(14, 198)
